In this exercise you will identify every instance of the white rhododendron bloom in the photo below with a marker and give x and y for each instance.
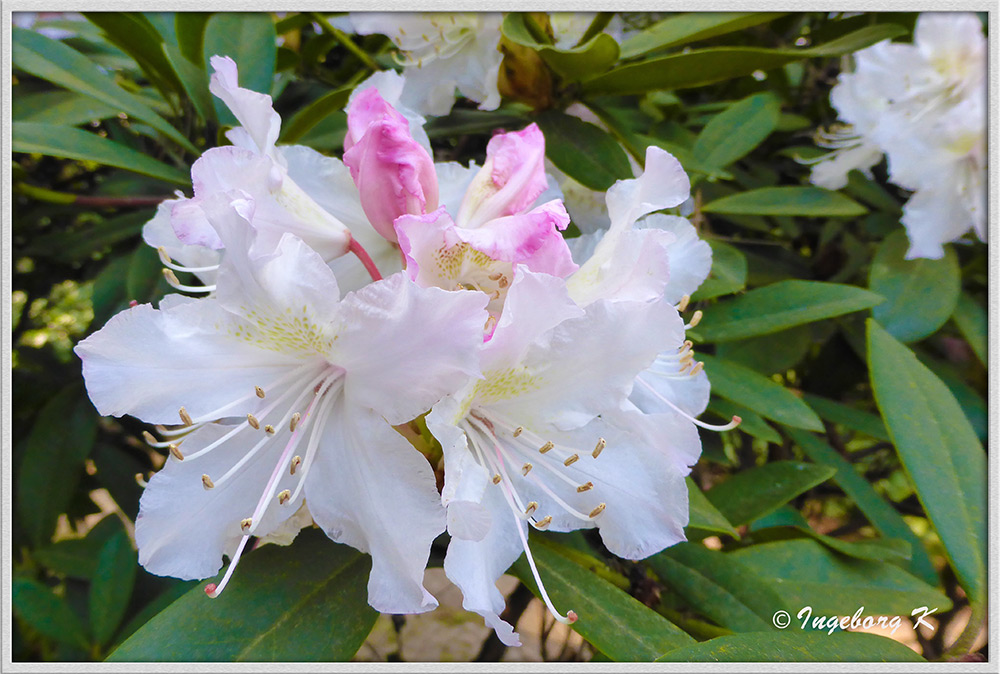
(923, 106)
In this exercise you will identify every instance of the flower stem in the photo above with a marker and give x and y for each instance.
(365, 258)
(343, 39)
(54, 197)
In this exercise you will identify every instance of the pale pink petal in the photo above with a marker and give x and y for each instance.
(253, 110)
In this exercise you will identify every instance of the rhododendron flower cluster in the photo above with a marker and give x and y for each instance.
(922, 105)
(342, 300)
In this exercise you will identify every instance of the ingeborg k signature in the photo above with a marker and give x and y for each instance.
(783, 619)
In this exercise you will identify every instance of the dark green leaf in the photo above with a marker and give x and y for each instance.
(109, 294)
(618, 625)
(312, 114)
(136, 36)
(759, 352)
(250, 40)
(190, 29)
(850, 417)
(77, 557)
(691, 27)
(64, 108)
(787, 524)
(752, 423)
(70, 143)
(812, 202)
(595, 56)
(460, 122)
(795, 646)
(36, 605)
(729, 272)
(922, 294)
(80, 244)
(780, 306)
(194, 81)
(303, 603)
(751, 494)
(746, 387)
(973, 323)
(939, 450)
(144, 281)
(583, 151)
(111, 587)
(736, 131)
(705, 516)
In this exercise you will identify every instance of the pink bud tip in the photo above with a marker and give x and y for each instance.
(571, 616)
(210, 589)
(737, 420)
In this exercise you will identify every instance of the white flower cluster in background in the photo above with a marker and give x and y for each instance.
(923, 106)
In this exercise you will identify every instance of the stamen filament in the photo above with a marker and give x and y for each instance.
(168, 262)
(697, 422)
(171, 278)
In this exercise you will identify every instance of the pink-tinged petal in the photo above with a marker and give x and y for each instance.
(191, 227)
(370, 489)
(390, 85)
(159, 233)
(663, 184)
(426, 340)
(253, 110)
(531, 239)
(510, 180)
(394, 174)
(690, 257)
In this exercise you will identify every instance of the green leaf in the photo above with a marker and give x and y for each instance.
(111, 587)
(795, 646)
(751, 494)
(312, 114)
(849, 417)
(36, 605)
(922, 294)
(461, 122)
(729, 272)
(697, 68)
(752, 423)
(194, 81)
(70, 143)
(812, 202)
(755, 391)
(691, 27)
(780, 306)
(55, 62)
(82, 243)
(705, 516)
(190, 30)
(939, 451)
(595, 56)
(61, 438)
(759, 352)
(64, 108)
(617, 624)
(736, 131)
(717, 586)
(973, 323)
(774, 528)
(77, 557)
(583, 151)
(250, 40)
(305, 603)
(133, 33)
(144, 280)
(806, 573)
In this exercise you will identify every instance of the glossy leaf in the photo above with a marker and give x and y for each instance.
(311, 115)
(39, 607)
(939, 450)
(111, 587)
(728, 275)
(922, 294)
(705, 516)
(973, 323)
(70, 143)
(812, 202)
(65, 108)
(594, 56)
(190, 30)
(893, 550)
(753, 493)
(795, 645)
(583, 151)
(780, 306)
(615, 623)
(250, 40)
(691, 27)
(307, 602)
(772, 401)
(77, 557)
(737, 130)
(194, 81)
(760, 354)
(847, 416)
(133, 33)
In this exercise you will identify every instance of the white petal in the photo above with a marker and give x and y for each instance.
(254, 110)
(159, 233)
(689, 393)
(634, 265)
(369, 488)
(663, 184)
(690, 256)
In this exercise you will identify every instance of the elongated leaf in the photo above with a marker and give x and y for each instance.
(460, 122)
(805, 573)
(939, 450)
(750, 389)
(311, 115)
(583, 151)
(855, 419)
(759, 353)
(60, 440)
(77, 557)
(736, 131)
(766, 529)
(717, 586)
(250, 40)
(728, 275)
(111, 588)
(194, 81)
(618, 625)
(134, 34)
(972, 322)
(751, 423)
(795, 646)
(805, 201)
(705, 516)
(922, 294)
(64, 108)
(84, 242)
(706, 66)
(691, 27)
(306, 602)
(780, 306)
(753, 493)
(57, 63)
(36, 605)
(595, 56)
(190, 30)
(70, 143)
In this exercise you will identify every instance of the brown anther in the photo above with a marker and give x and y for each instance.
(171, 277)
(176, 452)
(246, 523)
(598, 510)
(162, 252)
(140, 480)
(546, 447)
(698, 367)
(695, 318)
(544, 522)
(571, 460)
(259, 391)
(601, 444)
(269, 429)
(284, 496)
(296, 460)
(252, 420)
(185, 417)
(495, 295)
(532, 507)
(585, 487)
(683, 304)
(206, 482)
(518, 431)
(149, 437)
(497, 478)
(294, 421)
(503, 282)
(496, 277)
(526, 468)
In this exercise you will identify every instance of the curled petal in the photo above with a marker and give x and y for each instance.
(253, 110)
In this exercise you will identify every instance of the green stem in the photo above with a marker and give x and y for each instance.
(536, 30)
(343, 39)
(53, 197)
(600, 22)
(967, 638)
